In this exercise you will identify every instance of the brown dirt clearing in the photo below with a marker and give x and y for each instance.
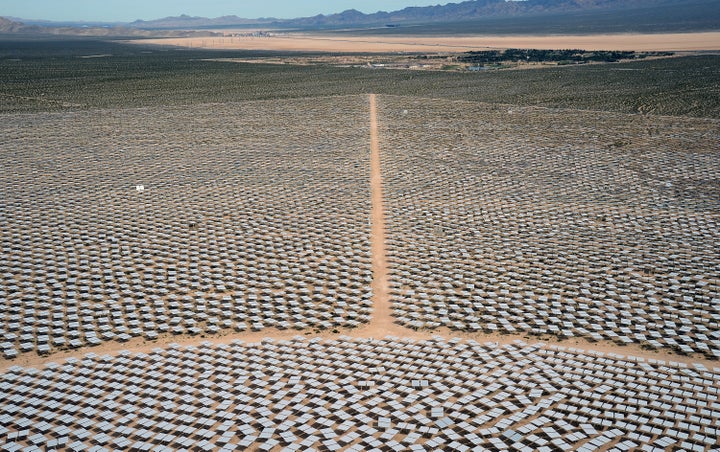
(420, 44)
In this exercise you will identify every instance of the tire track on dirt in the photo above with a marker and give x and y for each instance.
(381, 318)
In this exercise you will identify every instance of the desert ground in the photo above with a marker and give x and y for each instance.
(309, 42)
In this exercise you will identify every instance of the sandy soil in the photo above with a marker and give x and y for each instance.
(434, 44)
(379, 328)
(381, 323)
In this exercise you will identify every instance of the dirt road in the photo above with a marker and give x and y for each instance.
(382, 319)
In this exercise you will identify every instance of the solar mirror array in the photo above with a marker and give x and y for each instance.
(360, 394)
(552, 222)
(168, 224)
(249, 218)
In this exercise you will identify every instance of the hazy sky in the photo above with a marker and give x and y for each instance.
(129, 10)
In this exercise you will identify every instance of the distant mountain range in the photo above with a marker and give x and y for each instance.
(193, 22)
(612, 15)
(452, 12)
(14, 27)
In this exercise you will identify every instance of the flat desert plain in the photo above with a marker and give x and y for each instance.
(383, 44)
